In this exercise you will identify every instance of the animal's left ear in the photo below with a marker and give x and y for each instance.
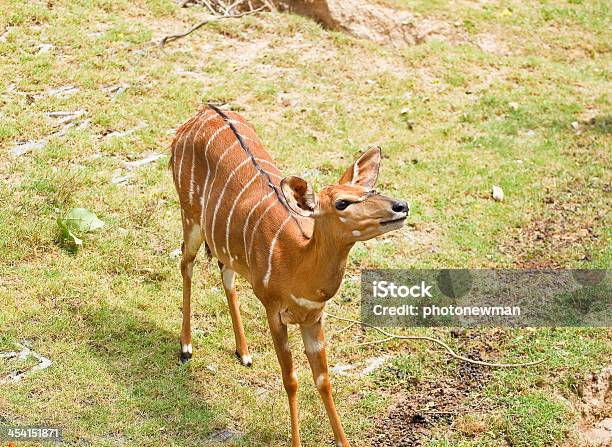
(364, 171)
(299, 195)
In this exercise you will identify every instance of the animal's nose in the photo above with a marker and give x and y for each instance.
(400, 207)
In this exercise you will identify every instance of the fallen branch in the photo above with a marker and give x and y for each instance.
(390, 336)
(173, 37)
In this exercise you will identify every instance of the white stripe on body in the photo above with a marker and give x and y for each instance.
(189, 132)
(219, 199)
(229, 217)
(257, 226)
(246, 223)
(192, 172)
(266, 278)
(204, 198)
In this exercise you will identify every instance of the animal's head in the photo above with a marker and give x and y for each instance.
(352, 209)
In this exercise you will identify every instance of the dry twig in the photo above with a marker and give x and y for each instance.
(390, 336)
(173, 37)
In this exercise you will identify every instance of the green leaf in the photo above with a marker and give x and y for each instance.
(77, 222)
(67, 234)
(81, 220)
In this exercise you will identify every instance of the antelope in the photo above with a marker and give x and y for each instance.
(289, 243)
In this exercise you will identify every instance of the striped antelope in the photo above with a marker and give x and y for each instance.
(289, 243)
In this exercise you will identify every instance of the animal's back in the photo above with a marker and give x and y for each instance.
(226, 189)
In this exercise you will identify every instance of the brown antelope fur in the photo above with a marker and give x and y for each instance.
(289, 243)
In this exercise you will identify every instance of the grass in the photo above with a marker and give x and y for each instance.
(108, 315)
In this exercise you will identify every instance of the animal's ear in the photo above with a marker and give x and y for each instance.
(299, 195)
(364, 171)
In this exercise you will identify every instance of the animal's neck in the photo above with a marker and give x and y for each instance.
(323, 260)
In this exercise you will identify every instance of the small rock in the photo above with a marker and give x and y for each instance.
(225, 435)
(513, 105)
(119, 179)
(497, 193)
(25, 147)
(64, 91)
(44, 48)
(119, 134)
(176, 253)
(575, 125)
(531, 133)
(143, 161)
(405, 110)
(212, 368)
(606, 423)
(597, 437)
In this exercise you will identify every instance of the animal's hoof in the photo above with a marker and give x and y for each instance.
(186, 353)
(246, 359)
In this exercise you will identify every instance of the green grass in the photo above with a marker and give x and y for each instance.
(109, 315)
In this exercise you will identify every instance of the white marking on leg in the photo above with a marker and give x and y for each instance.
(321, 380)
(247, 359)
(246, 223)
(306, 303)
(266, 278)
(313, 345)
(219, 200)
(228, 276)
(194, 239)
(187, 348)
(229, 217)
(356, 233)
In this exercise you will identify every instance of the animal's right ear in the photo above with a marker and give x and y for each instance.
(299, 195)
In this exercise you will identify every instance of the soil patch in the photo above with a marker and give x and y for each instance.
(565, 228)
(423, 405)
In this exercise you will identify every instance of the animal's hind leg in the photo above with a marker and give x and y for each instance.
(192, 240)
(229, 285)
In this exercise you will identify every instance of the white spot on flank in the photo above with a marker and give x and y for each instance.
(228, 276)
(342, 219)
(186, 348)
(308, 304)
(356, 233)
(266, 278)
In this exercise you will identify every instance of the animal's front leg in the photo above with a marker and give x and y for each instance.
(314, 344)
(290, 382)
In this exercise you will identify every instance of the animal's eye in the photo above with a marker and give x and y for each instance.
(342, 204)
